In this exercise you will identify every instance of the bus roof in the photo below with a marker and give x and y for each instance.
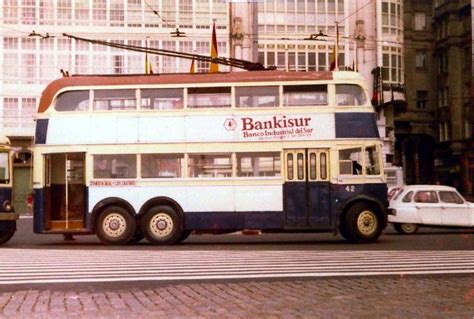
(185, 78)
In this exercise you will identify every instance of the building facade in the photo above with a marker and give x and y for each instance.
(415, 127)
(435, 134)
(452, 52)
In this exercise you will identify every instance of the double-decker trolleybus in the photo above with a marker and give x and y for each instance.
(161, 156)
(7, 215)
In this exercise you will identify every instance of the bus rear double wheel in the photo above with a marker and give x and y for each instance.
(161, 225)
(361, 224)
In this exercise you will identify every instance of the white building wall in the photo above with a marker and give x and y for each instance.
(28, 63)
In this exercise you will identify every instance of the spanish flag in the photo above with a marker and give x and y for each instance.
(332, 57)
(192, 68)
(214, 66)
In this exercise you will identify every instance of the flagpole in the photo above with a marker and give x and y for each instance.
(336, 51)
(146, 55)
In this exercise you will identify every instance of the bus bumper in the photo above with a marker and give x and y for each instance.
(9, 216)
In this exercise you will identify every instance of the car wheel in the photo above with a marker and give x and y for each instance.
(5, 236)
(406, 228)
(161, 225)
(362, 224)
(115, 226)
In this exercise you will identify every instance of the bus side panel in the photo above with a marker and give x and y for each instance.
(5, 194)
(356, 125)
(295, 203)
(320, 204)
(233, 220)
(39, 210)
(6, 225)
(346, 192)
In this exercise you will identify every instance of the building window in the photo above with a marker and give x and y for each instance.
(99, 12)
(391, 17)
(28, 12)
(467, 129)
(11, 112)
(117, 13)
(392, 65)
(82, 12)
(443, 63)
(10, 11)
(420, 21)
(443, 95)
(421, 99)
(420, 59)
(444, 131)
(64, 10)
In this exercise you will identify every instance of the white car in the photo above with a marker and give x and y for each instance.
(429, 205)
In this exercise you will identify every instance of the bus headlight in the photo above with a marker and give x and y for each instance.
(7, 206)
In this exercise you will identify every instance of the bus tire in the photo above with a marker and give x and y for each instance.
(406, 228)
(184, 235)
(362, 223)
(115, 226)
(161, 225)
(137, 237)
(5, 236)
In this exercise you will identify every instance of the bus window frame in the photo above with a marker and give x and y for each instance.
(363, 147)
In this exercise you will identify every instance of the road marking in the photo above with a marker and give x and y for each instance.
(23, 266)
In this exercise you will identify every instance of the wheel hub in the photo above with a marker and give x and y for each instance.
(367, 222)
(114, 224)
(161, 224)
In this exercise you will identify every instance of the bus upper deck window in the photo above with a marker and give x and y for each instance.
(209, 97)
(305, 95)
(114, 100)
(72, 101)
(350, 94)
(260, 96)
(162, 99)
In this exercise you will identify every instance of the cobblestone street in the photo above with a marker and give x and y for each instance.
(373, 297)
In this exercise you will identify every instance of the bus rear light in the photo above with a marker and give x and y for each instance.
(29, 200)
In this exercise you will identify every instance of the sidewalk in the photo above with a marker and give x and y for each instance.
(368, 297)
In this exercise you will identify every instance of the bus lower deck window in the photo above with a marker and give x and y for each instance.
(161, 165)
(210, 165)
(258, 164)
(115, 166)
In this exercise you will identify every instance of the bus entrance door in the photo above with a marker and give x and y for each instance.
(307, 188)
(65, 191)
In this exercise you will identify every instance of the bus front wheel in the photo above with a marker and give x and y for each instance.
(115, 226)
(362, 224)
(161, 225)
(5, 236)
